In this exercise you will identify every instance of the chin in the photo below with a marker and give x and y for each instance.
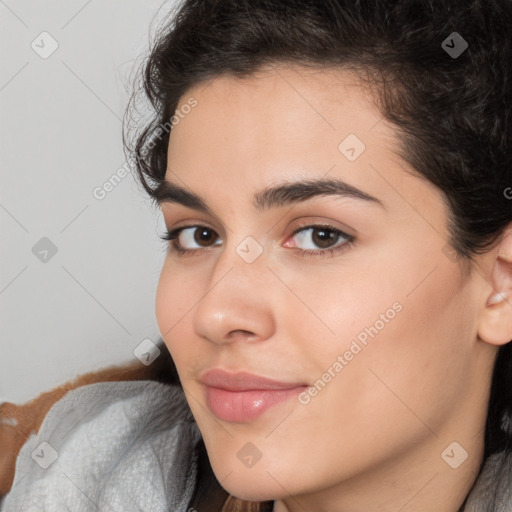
(250, 484)
(253, 490)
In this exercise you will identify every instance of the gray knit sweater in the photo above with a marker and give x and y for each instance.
(131, 446)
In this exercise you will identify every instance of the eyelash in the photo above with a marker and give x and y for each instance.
(172, 236)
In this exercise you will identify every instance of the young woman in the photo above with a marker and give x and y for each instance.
(336, 182)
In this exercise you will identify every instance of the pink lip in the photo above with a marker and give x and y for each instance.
(242, 397)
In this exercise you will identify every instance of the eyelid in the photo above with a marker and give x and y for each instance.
(310, 220)
(337, 248)
(316, 221)
(172, 235)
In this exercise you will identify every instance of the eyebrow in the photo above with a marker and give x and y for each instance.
(271, 197)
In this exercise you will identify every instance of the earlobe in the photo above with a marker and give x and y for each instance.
(495, 324)
(496, 299)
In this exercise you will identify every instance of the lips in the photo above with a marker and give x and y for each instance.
(243, 381)
(242, 397)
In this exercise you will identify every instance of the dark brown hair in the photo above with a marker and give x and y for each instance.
(453, 113)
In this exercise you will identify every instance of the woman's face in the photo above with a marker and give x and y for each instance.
(365, 318)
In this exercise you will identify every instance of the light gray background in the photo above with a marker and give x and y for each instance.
(92, 303)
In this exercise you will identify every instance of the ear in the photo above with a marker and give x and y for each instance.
(495, 322)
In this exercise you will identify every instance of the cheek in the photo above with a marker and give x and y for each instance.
(411, 372)
(419, 360)
(165, 302)
(402, 334)
(333, 312)
(175, 299)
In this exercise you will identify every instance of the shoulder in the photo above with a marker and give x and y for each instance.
(123, 446)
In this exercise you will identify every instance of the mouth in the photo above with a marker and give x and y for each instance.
(242, 397)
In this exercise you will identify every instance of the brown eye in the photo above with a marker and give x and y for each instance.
(203, 235)
(323, 237)
(320, 237)
(182, 238)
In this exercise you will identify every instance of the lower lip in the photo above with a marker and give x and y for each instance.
(245, 406)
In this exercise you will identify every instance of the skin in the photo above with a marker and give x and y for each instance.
(373, 437)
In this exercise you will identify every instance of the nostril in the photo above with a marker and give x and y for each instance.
(242, 333)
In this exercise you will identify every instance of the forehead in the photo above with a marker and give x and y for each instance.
(285, 123)
(287, 103)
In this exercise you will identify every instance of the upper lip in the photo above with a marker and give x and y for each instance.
(243, 381)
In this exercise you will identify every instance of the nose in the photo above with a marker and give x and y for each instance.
(237, 303)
